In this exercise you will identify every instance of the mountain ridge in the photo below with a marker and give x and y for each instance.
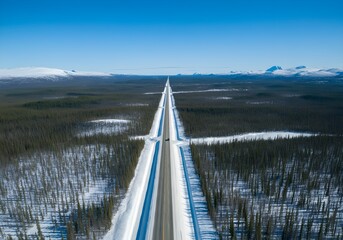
(38, 74)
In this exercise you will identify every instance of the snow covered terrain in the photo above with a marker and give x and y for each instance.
(190, 217)
(41, 72)
(300, 71)
(306, 72)
(204, 91)
(126, 220)
(250, 137)
(27, 74)
(223, 98)
(309, 202)
(202, 225)
(185, 225)
(212, 90)
(105, 126)
(110, 121)
(44, 189)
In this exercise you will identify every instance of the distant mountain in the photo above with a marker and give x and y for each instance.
(274, 68)
(299, 71)
(46, 73)
(302, 71)
(300, 67)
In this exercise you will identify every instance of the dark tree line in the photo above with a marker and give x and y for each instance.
(288, 189)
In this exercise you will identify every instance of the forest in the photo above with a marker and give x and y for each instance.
(289, 188)
(57, 182)
(268, 189)
(253, 105)
(64, 170)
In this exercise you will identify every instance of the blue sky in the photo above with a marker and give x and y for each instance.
(170, 36)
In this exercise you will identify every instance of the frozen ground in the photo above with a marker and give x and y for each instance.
(46, 187)
(197, 207)
(205, 90)
(41, 72)
(250, 137)
(212, 90)
(110, 121)
(223, 98)
(105, 127)
(297, 192)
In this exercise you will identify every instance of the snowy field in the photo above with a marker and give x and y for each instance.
(204, 91)
(105, 127)
(250, 137)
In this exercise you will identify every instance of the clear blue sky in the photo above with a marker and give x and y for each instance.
(170, 36)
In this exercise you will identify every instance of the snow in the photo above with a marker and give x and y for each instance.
(125, 221)
(274, 68)
(300, 71)
(144, 137)
(223, 98)
(212, 90)
(152, 93)
(306, 72)
(182, 221)
(72, 174)
(93, 191)
(188, 191)
(250, 137)
(105, 126)
(54, 73)
(41, 72)
(190, 214)
(203, 91)
(109, 121)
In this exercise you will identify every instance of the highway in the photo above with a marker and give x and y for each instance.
(163, 224)
(159, 204)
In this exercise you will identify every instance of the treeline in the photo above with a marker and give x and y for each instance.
(76, 102)
(203, 119)
(254, 106)
(25, 131)
(290, 189)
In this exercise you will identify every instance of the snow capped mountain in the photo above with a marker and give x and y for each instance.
(302, 71)
(274, 68)
(40, 74)
(48, 73)
(299, 71)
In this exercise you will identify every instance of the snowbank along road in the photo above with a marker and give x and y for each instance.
(159, 202)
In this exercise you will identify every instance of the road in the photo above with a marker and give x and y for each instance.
(163, 225)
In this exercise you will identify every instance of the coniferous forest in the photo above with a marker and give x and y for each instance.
(268, 189)
(63, 173)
